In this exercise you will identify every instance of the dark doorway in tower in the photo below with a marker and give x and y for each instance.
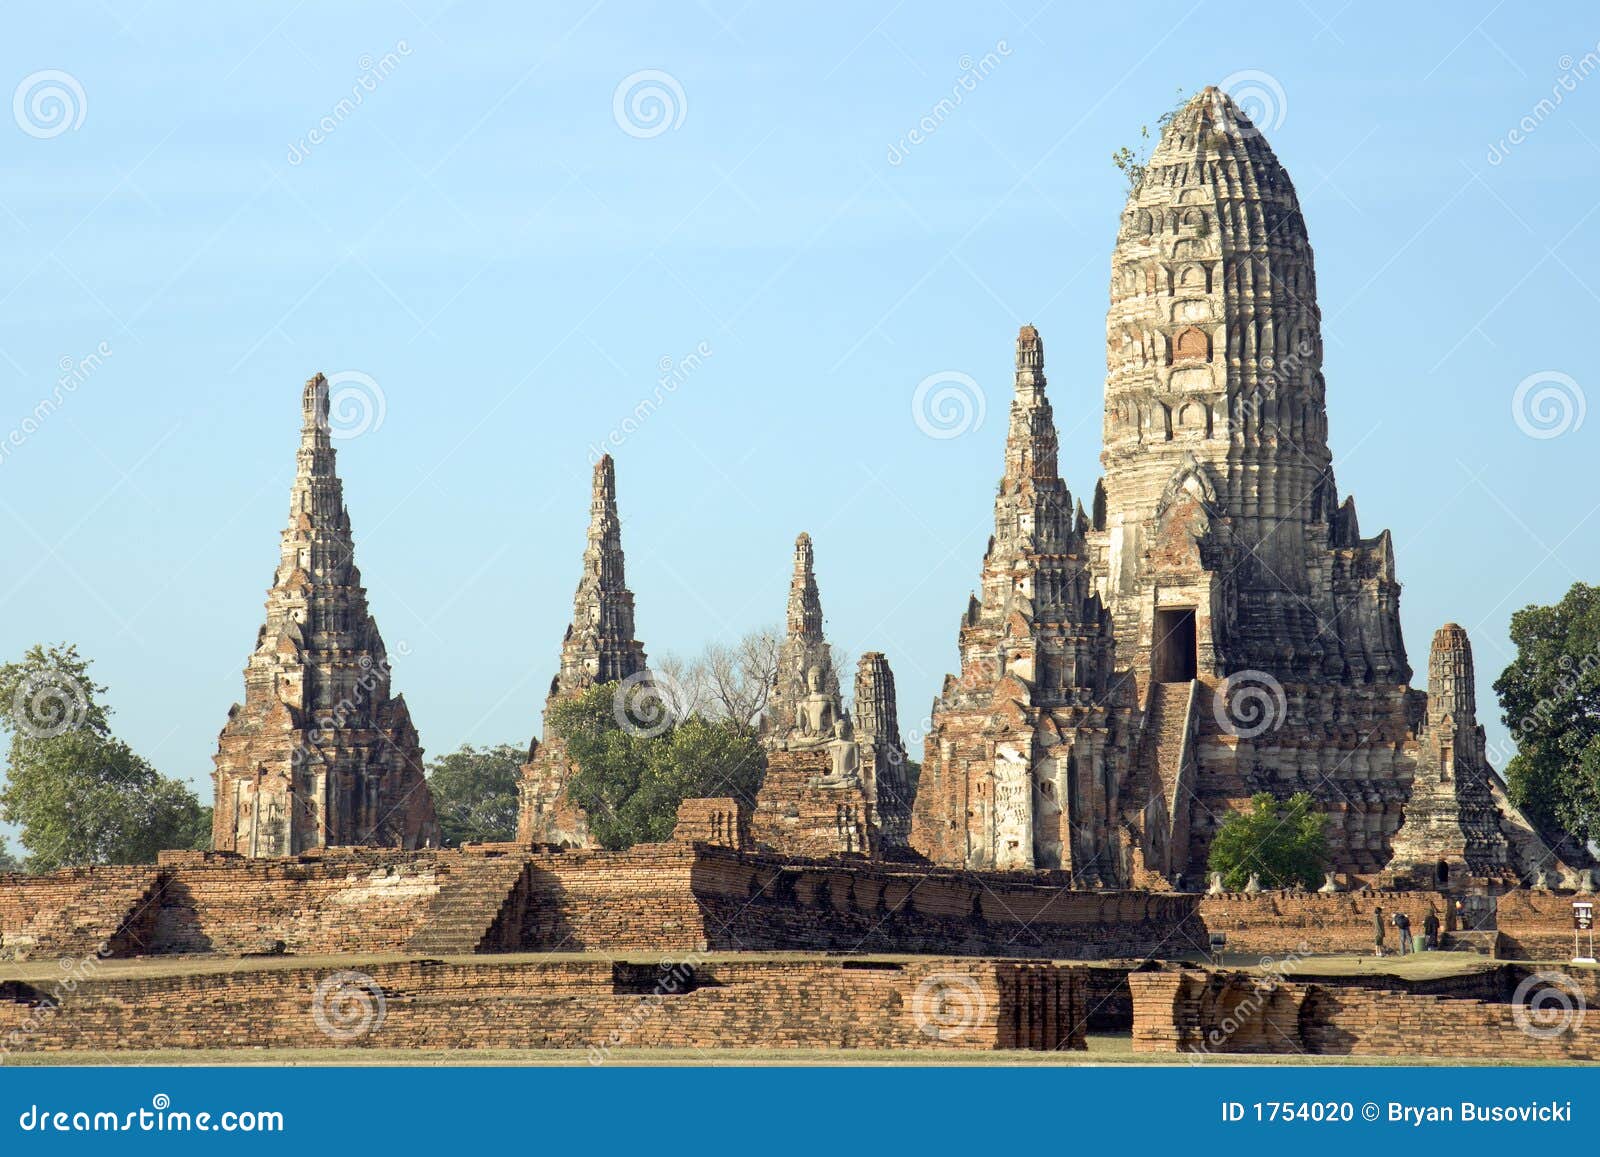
(1176, 657)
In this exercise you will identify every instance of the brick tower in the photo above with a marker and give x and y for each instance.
(320, 753)
(1020, 765)
(599, 647)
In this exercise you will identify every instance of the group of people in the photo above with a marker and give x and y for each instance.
(1402, 923)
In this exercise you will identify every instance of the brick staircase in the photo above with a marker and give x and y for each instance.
(1166, 724)
(466, 916)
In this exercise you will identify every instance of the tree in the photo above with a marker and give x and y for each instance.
(8, 862)
(81, 795)
(475, 793)
(630, 781)
(1550, 699)
(1133, 163)
(1285, 842)
(732, 683)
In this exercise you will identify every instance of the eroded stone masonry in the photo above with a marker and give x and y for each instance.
(1216, 625)
(1213, 625)
(320, 753)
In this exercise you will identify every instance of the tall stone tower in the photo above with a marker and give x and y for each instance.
(599, 647)
(1261, 628)
(1020, 765)
(1452, 824)
(320, 753)
(1220, 518)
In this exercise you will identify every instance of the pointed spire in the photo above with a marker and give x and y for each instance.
(804, 648)
(599, 646)
(1031, 442)
(805, 603)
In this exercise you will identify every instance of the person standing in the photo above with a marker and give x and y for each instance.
(1403, 923)
(1377, 931)
(1430, 931)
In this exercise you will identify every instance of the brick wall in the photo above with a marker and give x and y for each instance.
(759, 903)
(795, 816)
(1537, 925)
(596, 1004)
(1185, 1010)
(76, 912)
(1277, 923)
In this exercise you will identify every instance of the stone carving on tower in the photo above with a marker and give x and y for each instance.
(320, 753)
(599, 648)
(1023, 765)
(1236, 575)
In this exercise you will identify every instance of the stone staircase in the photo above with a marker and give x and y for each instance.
(1166, 724)
(465, 917)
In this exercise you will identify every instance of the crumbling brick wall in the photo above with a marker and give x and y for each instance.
(75, 912)
(595, 1004)
(1186, 1010)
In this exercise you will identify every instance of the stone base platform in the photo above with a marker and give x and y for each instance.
(584, 1002)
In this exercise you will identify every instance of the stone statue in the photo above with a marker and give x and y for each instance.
(1216, 888)
(1541, 882)
(1586, 881)
(817, 715)
(1254, 885)
(1330, 883)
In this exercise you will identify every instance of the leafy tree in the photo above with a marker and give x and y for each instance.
(475, 793)
(1285, 841)
(631, 782)
(8, 862)
(1550, 699)
(81, 795)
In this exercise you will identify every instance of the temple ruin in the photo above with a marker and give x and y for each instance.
(320, 754)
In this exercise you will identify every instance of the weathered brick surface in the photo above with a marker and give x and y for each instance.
(1177, 1011)
(1537, 925)
(799, 813)
(1276, 923)
(591, 1003)
(76, 912)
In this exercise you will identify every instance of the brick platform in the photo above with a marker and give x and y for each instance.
(592, 1003)
(1186, 1011)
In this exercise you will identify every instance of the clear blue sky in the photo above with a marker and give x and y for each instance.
(481, 238)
